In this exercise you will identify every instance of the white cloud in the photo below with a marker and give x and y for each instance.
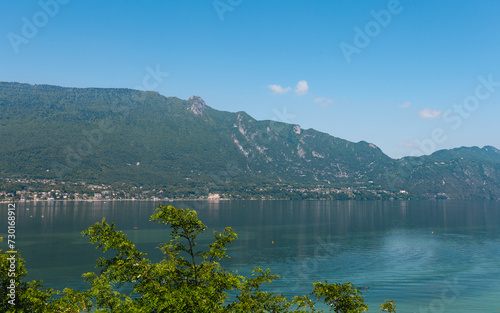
(324, 102)
(302, 88)
(405, 105)
(411, 144)
(277, 89)
(430, 113)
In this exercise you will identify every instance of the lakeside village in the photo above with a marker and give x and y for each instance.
(52, 190)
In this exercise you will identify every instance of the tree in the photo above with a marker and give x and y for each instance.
(187, 279)
(388, 306)
(343, 298)
(32, 296)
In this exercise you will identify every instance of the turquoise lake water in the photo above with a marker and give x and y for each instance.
(429, 256)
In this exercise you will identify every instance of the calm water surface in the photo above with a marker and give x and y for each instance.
(429, 256)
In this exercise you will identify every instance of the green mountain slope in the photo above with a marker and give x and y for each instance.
(458, 173)
(117, 136)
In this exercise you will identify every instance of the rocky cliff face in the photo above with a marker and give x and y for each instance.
(196, 105)
(288, 151)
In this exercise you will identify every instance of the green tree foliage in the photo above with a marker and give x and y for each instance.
(32, 296)
(388, 306)
(188, 279)
(343, 298)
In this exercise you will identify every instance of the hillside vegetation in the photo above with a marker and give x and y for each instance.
(127, 137)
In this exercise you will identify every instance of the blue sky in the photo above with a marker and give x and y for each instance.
(409, 76)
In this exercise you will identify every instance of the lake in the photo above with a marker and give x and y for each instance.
(429, 256)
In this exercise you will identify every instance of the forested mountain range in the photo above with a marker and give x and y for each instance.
(124, 136)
